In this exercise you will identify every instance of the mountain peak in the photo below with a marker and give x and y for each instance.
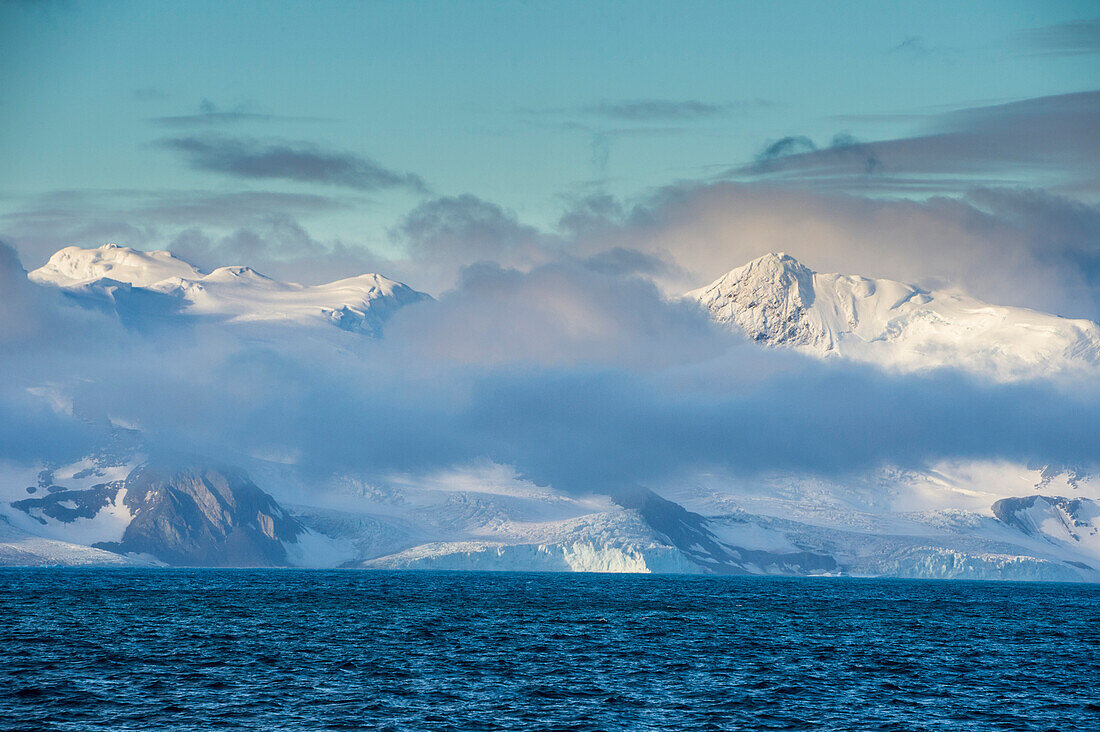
(781, 259)
(235, 272)
(772, 270)
(765, 297)
(777, 300)
(235, 293)
(778, 268)
(76, 266)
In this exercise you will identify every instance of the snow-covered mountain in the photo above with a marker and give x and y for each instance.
(139, 283)
(949, 520)
(779, 301)
(774, 299)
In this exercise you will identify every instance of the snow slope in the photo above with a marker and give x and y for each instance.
(485, 517)
(974, 520)
(232, 294)
(779, 301)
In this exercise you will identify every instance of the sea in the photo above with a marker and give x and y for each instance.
(177, 649)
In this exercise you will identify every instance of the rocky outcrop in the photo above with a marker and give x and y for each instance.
(692, 535)
(203, 516)
(1029, 513)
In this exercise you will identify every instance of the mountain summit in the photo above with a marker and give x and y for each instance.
(777, 300)
(128, 279)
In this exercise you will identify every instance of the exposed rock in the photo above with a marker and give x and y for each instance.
(203, 516)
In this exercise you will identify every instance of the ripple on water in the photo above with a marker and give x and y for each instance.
(271, 649)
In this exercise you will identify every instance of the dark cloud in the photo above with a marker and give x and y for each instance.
(601, 140)
(275, 237)
(636, 119)
(281, 247)
(601, 152)
(1062, 234)
(1076, 38)
(783, 147)
(607, 430)
(590, 213)
(843, 146)
(466, 224)
(444, 234)
(1050, 140)
(619, 261)
(295, 161)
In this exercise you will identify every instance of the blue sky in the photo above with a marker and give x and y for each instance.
(525, 105)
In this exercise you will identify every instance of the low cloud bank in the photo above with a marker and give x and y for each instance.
(586, 380)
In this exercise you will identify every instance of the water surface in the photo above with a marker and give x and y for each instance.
(289, 649)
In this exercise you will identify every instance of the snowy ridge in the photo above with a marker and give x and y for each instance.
(777, 300)
(232, 294)
(76, 267)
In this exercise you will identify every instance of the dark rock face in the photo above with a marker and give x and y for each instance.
(68, 506)
(1067, 510)
(203, 516)
(689, 532)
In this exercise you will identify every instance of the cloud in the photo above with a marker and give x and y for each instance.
(444, 234)
(34, 319)
(295, 161)
(619, 261)
(281, 247)
(608, 430)
(1006, 246)
(559, 314)
(21, 316)
(1049, 141)
(210, 114)
(784, 147)
(1076, 38)
(583, 380)
(41, 224)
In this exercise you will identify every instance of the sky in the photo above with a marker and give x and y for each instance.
(155, 124)
(554, 174)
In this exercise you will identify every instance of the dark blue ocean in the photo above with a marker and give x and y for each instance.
(274, 649)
